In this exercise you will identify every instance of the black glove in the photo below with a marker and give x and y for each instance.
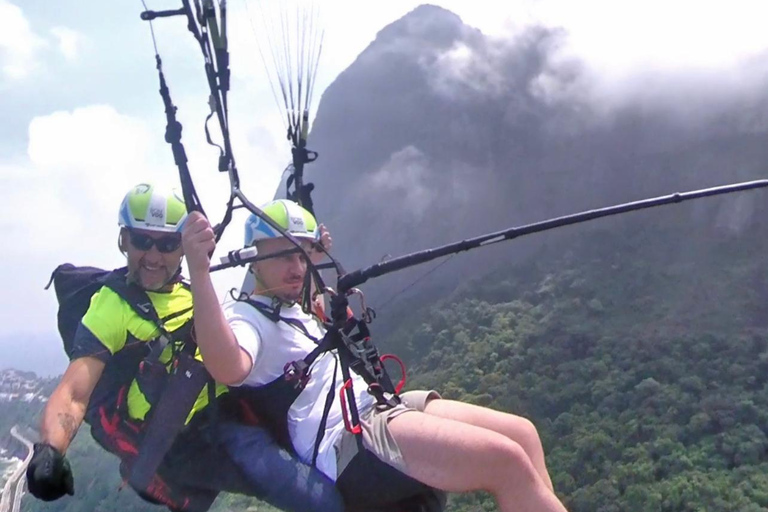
(49, 476)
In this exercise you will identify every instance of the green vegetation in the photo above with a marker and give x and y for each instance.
(641, 354)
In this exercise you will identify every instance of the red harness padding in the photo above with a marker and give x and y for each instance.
(122, 436)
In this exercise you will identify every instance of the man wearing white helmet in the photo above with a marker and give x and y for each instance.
(151, 217)
(411, 446)
(115, 391)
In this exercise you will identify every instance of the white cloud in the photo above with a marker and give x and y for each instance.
(620, 36)
(404, 179)
(82, 162)
(684, 59)
(660, 35)
(19, 45)
(86, 138)
(33, 209)
(43, 228)
(455, 67)
(632, 50)
(94, 142)
(69, 42)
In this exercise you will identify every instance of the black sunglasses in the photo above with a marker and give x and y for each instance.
(164, 244)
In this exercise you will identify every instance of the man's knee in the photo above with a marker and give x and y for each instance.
(528, 432)
(511, 466)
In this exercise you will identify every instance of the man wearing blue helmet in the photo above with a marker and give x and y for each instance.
(113, 385)
(413, 446)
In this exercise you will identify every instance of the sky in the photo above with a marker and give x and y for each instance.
(83, 122)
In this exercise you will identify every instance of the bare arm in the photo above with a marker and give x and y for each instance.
(223, 358)
(65, 410)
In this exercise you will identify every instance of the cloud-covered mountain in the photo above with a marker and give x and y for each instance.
(437, 132)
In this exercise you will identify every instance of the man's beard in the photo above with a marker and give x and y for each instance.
(289, 297)
(134, 276)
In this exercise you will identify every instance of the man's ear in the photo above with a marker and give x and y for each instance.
(121, 241)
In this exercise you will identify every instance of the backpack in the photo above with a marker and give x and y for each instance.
(74, 288)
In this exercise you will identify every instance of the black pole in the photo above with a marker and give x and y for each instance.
(151, 15)
(358, 277)
(173, 137)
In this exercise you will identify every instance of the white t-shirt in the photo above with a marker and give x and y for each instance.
(273, 344)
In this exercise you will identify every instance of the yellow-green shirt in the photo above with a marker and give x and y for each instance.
(111, 324)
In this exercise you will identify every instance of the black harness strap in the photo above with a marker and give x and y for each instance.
(185, 383)
(173, 137)
(324, 418)
(273, 313)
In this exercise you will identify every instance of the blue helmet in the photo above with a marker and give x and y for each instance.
(288, 215)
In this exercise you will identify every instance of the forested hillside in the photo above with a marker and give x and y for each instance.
(640, 349)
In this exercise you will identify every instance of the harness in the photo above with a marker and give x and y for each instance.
(367, 483)
(141, 445)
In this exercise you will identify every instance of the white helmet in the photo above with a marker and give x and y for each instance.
(153, 208)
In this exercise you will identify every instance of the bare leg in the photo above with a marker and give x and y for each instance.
(459, 457)
(516, 428)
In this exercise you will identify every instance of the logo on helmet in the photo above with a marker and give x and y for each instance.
(157, 213)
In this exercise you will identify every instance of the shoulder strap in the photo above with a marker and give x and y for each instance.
(142, 305)
(138, 298)
(364, 361)
(274, 315)
(133, 295)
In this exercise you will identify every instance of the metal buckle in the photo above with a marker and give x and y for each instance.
(298, 372)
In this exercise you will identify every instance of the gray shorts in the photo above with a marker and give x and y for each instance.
(376, 436)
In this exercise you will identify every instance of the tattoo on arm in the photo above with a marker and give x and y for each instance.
(68, 423)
